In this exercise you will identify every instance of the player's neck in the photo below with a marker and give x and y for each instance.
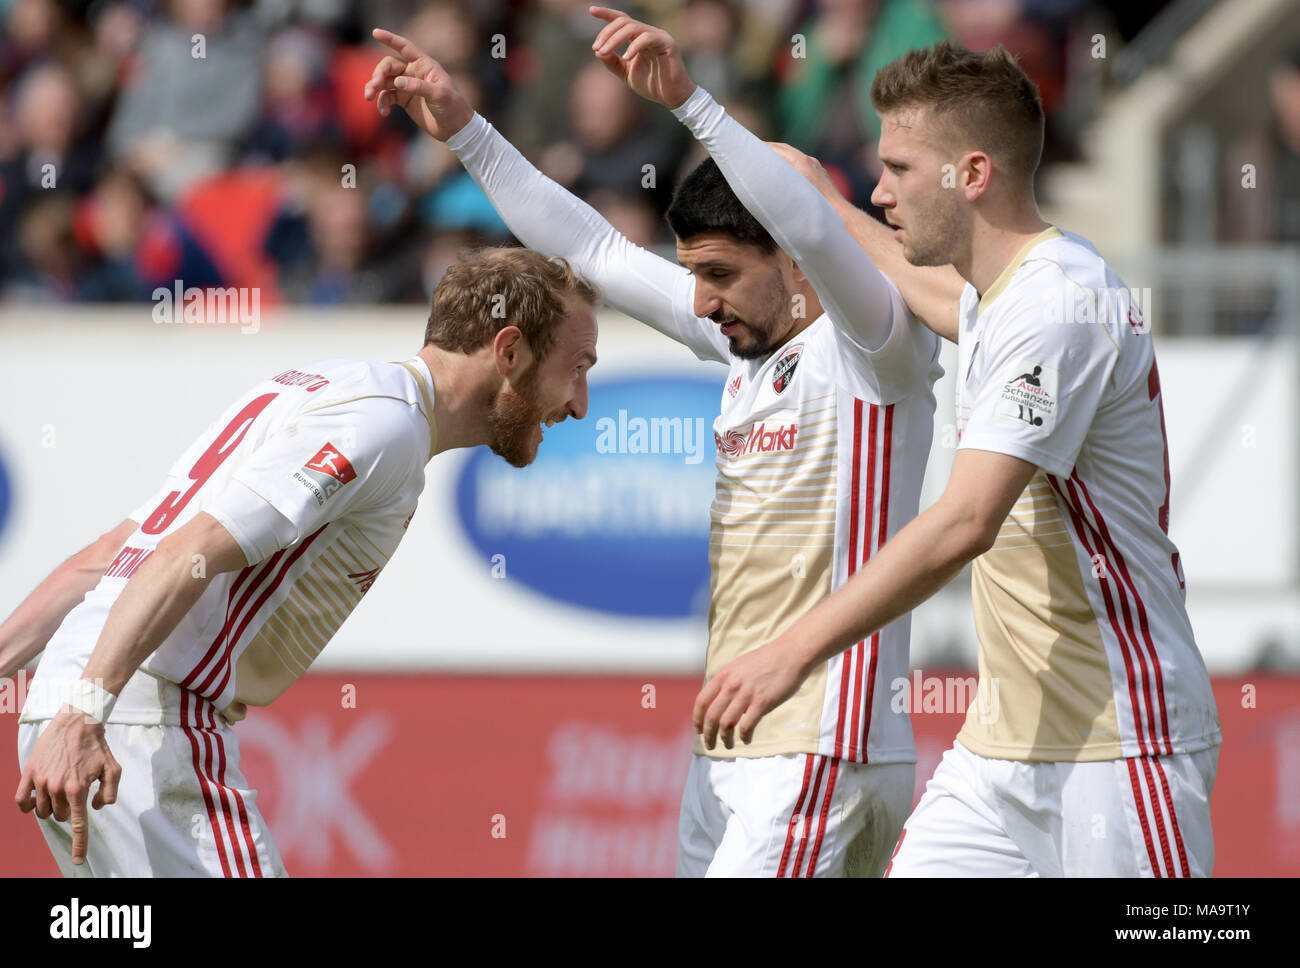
(995, 244)
(459, 413)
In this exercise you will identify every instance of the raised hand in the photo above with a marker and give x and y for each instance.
(417, 84)
(652, 65)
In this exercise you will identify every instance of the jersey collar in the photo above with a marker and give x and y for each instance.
(420, 371)
(1002, 281)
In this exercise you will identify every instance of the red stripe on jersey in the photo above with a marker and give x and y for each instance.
(1142, 818)
(1103, 545)
(881, 536)
(1122, 565)
(1173, 818)
(220, 794)
(808, 815)
(1082, 528)
(846, 659)
(821, 820)
(794, 816)
(239, 805)
(233, 639)
(232, 611)
(186, 699)
(1160, 817)
(869, 512)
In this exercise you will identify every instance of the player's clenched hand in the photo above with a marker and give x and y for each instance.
(744, 691)
(652, 65)
(70, 755)
(417, 83)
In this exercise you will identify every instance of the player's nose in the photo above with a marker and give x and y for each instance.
(706, 303)
(578, 405)
(881, 196)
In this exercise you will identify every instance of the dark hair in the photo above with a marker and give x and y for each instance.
(981, 99)
(489, 289)
(704, 202)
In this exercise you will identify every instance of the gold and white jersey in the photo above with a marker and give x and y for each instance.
(316, 474)
(1079, 604)
(816, 470)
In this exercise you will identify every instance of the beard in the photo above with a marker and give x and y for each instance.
(761, 340)
(943, 225)
(514, 418)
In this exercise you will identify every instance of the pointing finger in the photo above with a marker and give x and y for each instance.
(398, 43)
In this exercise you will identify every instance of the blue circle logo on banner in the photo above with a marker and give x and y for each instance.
(613, 515)
(5, 495)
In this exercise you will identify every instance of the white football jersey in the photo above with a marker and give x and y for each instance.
(316, 474)
(1079, 605)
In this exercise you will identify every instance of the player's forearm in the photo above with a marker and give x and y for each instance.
(913, 565)
(799, 219)
(547, 218)
(159, 594)
(933, 293)
(25, 633)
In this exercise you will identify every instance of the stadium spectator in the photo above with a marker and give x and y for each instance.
(192, 93)
(823, 105)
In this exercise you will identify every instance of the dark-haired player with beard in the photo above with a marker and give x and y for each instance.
(220, 590)
(825, 426)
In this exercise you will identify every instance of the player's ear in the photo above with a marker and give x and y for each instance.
(510, 353)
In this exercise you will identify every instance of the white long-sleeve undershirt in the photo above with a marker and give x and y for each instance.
(545, 217)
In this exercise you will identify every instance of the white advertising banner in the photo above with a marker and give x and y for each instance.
(595, 558)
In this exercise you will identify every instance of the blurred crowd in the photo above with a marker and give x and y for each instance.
(227, 143)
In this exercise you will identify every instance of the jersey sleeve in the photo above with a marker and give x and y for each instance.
(545, 217)
(324, 464)
(1044, 383)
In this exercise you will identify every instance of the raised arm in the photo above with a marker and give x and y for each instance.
(538, 211)
(801, 221)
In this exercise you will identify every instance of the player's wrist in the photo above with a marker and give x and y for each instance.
(87, 698)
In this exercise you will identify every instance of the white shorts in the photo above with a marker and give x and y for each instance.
(183, 808)
(790, 816)
(1140, 817)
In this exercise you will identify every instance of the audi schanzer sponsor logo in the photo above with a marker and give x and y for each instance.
(761, 438)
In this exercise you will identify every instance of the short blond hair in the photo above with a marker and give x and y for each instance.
(982, 98)
(488, 289)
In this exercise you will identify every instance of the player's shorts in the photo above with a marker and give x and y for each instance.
(791, 816)
(183, 809)
(1145, 816)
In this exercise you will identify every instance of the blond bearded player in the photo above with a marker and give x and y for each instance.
(1104, 753)
(826, 419)
(293, 501)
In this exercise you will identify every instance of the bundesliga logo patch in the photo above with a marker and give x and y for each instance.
(783, 372)
(325, 473)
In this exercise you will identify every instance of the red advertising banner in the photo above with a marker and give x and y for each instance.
(573, 776)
